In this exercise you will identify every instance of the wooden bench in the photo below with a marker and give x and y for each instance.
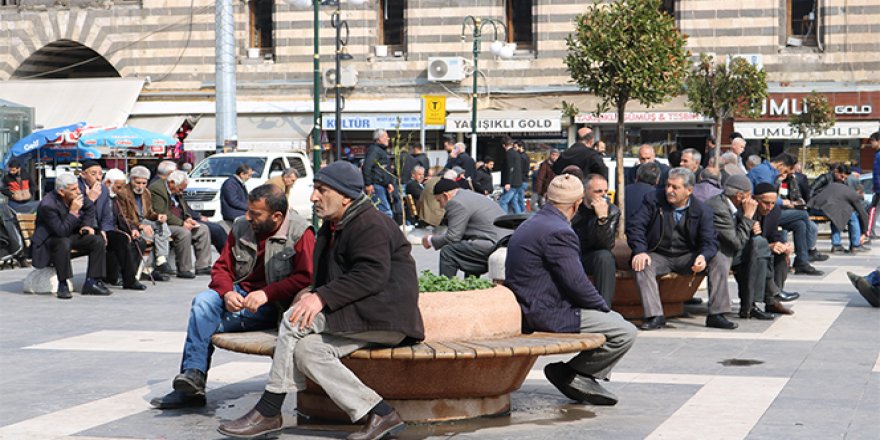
(819, 219)
(434, 380)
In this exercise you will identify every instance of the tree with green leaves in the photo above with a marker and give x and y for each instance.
(623, 51)
(816, 117)
(721, 91)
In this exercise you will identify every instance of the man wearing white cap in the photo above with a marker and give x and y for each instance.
(544, 271)
(124, 241)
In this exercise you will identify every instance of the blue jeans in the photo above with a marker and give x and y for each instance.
(855, 232)
(796, 221)
(508, 201)
(380, 195)
(874, 278)
(208, 315)
(521, 197)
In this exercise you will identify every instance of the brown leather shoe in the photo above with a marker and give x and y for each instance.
(378, 427)
(251, 425)
(778, 308)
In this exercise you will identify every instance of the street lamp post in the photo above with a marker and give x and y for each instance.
(498, 49)
(341, 41)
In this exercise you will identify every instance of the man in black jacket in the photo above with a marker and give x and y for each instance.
(767, 219)
(583, 155)
(365, 293)
(378, 174)
(458, 157)
(511, 177)
(596, 224)
(483, 181)
(233, 194)
(647, 179)
(416, 158)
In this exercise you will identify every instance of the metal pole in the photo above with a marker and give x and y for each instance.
(226, 130)
(422, 123)
(477, 35)
(316, 81)
(337, 25)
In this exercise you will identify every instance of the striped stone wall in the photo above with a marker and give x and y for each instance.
(172, 42)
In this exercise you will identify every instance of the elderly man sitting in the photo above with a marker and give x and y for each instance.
(152, 225)
(187, 233)
(123, 251)
(471, 234)
(544, 271)
(675, 234)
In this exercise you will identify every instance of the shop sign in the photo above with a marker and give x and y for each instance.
(795, 106)
(497, 122)
(368, 122)
(644, 117)
(435, 109)
(781, 130)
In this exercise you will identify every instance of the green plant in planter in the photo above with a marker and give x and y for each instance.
(429, 282)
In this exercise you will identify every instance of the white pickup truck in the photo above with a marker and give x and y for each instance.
(205, 180)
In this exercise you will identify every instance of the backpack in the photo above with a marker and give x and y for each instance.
(11, 238)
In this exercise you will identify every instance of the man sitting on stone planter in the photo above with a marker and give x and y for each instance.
(470, 236)
(543, 269)
(675, 234)
(365, 293)
(267, 260)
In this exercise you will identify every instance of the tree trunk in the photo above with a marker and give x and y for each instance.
(718, 123)
(619, 178)
(804, 154)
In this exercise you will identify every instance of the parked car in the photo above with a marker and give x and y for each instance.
(203, 192)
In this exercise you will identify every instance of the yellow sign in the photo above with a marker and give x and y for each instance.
(435, 110)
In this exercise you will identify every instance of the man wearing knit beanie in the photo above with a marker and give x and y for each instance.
(740, 248)
(471, 233)
(768, 219)
(365, 293)
(543, 268)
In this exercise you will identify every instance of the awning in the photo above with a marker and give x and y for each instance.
(506, 122)
(255, 132)
(166, 125)
(781, 130)
(57, 102)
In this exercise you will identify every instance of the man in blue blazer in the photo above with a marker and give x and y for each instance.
(234, 195)
(544, 271)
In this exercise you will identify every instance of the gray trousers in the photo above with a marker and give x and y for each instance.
(646, 280)
(187, 241)
(161, 235)
(315, 353)
(469, 256)
(751, 265)
(619, 338)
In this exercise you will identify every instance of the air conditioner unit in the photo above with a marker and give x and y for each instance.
(349, 78)
(446, 69)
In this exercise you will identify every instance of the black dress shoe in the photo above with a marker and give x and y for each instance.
(719, 321)
(157, 276)
(577, 387)
(251, 425)
(165, 268)
(186, 274)
(63, 291)
(787, 296)
(778, 308)
(594, 393)
(378, 427)
(136, 286)
(203, 271)
(816, 256)
(838, 249)
(695, 301)
(869, 292)
(177, 400)
(653, 323)
(806, 269)
(756, 313)
(190, 382)
(96, 288)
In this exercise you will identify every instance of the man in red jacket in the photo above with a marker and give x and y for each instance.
(265, 262)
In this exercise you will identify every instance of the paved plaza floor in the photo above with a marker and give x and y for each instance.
(87, 368)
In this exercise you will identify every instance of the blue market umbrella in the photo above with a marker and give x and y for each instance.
(38, 140)
(127, 137)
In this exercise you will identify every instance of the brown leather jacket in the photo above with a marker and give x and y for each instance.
(147, 201)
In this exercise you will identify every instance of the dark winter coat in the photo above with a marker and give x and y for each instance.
(55, 220)
(645, 229)
(511, 173)
(377, 166)
(587, 159)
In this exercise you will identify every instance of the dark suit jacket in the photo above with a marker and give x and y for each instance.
(592, 235)
(635, 197)
(838, 201)
(464, 161)
(104, 220)
(511, 173)
(631, 174)
(233, 199)
(162, 202)
(586, 158)
(483, 182)
(543, 268)
(770, 225)
(55, 220)
(645, 230)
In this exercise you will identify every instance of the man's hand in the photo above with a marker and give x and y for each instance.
(147, 229)
(390, 188)
(368, 189)
(88, 230)
(255, 300)
(699, 264)
(756, 228)
(135, 234)
(778, 247)
(641, 261)
(749, 207)
(162, 218)
(787, 203)
(190, 224)
(234, 301)
(305, 309)
(600, 206)
(104, 236)
(94, 192)
(426, 241)
(76, 204)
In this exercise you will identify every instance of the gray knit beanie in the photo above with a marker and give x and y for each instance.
(343, 177)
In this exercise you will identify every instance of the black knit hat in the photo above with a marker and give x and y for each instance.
(343, 177)
(90, 163)
(764, 188)
(444, 185)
